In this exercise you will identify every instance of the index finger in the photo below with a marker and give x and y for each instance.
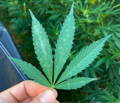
(24, 90)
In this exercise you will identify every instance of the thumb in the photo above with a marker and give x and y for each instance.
(49, 96)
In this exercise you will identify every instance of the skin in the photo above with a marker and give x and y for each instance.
(28, 92)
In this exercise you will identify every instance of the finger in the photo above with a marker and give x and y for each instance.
(48, 96)
(27, 89)
(26, 100)
(23, 90)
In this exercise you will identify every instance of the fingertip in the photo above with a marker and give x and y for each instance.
(55, 92)
(48, 96)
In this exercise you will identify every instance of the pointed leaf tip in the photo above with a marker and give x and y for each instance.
(30, 12)
(72, 9)
(107, 37)
(32, 15)
(72, 5)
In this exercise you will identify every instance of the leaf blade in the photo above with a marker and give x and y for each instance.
(74, 83)
(83, 59)
(64, 43)
(31, 72)
(42, 47)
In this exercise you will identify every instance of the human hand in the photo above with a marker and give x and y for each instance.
(28, 92)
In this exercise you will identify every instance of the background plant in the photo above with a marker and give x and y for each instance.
(94, 19)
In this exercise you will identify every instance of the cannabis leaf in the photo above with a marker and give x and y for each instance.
(32, 72)
(74, 83)
(64, 43)
(63, 47)
(42, 47)
(83, 59)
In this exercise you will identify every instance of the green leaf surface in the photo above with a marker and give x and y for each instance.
(83, 59)
(117, 34)
(32, 72)
(42, 47)
(74, 83)
(117, 41)
(64, 43)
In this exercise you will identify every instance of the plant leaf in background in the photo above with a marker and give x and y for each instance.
(64, 43)
(83, 59)
(32, 72)
(74, 83)
(117, 41)
(42, 47)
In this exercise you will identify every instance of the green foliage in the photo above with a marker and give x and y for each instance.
(94, 20)
(64, 43)
(44, 55)
(42, 47)
(83, 59)
(74, 83)
(32, 72)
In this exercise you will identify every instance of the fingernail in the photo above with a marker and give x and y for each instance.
(48, 96)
